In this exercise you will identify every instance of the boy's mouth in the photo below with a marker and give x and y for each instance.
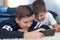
(26, 27)
(41, 19)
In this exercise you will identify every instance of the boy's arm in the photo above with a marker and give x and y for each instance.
(11, 34)
(53, 22)
(56, 26)
(34, 34)
(16, 34)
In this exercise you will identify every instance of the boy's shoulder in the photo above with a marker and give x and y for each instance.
(48, 14)
(9, 24)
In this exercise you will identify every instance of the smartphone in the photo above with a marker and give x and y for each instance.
(49, 32)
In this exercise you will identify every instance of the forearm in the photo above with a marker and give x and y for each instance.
(56, 26)
(11, 34)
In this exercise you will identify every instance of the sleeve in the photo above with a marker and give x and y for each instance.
(7, 27)
(51, 19)
(10, 34)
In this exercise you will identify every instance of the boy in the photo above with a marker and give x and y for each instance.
(22, 23)
(42, 15)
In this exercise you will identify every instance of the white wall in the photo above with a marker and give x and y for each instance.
(1, 2)
(58, 12)
(15, 3)
(50, 5)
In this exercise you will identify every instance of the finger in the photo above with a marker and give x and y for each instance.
(41, 29)
(20, 30)
(41, 34)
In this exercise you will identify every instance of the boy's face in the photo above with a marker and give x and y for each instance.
(25, 23)
(40, 16)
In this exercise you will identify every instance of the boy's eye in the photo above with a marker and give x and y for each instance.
(41, 15)
(27, 21)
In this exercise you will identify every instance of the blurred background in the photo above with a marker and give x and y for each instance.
(52, 5)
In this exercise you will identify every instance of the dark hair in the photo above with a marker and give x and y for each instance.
(38, 6)
(23, 11)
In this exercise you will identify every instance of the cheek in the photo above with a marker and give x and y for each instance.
(21, 24)
(29, 24)
(38, 17)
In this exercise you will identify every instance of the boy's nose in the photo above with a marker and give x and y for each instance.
(29, 25)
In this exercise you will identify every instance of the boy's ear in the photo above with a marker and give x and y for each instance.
(17, 20)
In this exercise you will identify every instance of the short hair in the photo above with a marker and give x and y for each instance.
(38, 6)
(23, 11)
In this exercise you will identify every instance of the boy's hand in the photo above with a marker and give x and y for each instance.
(34, 34)
(57, 29)
(21, 30)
